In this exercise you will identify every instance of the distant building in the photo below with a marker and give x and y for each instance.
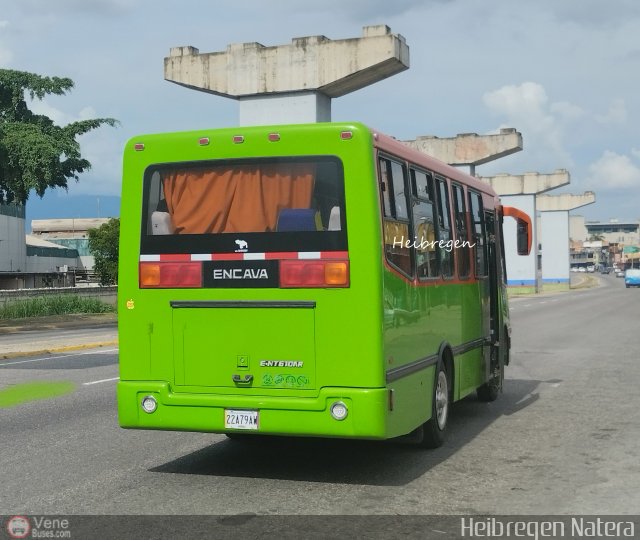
(626, 233)
(71, 234)
(56, 254)
(13, 249)
(49, 264)
(602, 242)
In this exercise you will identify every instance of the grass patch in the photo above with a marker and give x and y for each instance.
(555, 287)
(516, 291)
(23, 393)
(53, 305)
(586, 283)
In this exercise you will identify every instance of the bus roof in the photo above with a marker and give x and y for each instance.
(380, 141)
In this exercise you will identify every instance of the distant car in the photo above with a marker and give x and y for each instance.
(591, 268)
(632, 278)
(605, 270)
(619, 273)
(582, 269)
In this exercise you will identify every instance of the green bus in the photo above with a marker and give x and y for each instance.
(306, 280)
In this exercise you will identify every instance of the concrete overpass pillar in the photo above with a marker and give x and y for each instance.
(554, 233)
(521, 191)
(469, 149)
(291, 83)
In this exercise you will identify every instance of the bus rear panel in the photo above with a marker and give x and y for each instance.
(312, 280)
(250, 283)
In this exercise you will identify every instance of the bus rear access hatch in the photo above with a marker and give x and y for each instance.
(228, 344)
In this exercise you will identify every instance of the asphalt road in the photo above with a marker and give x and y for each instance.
(561, 439)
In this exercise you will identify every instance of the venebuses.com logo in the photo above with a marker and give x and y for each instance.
(37, 527)
(18, 527)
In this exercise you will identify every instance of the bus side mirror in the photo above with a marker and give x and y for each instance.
(523, 241)
(524, 229)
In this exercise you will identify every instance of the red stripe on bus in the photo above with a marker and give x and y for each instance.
(227, 256)
(334, 254)
(175, 257)
(281, 255)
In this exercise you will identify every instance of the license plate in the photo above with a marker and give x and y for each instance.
(235, 419)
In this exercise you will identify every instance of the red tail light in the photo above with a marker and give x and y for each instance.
(165, 275)
(314, 273)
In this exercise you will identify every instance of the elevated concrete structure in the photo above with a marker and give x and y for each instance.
(469, 149)
(521, 191)
(294, 82)
(555, 234)
(532, 183)
(565, 202)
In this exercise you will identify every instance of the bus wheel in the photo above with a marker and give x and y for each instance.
(433, 430)
(489, 391)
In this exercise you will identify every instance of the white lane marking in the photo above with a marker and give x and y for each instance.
(101, 381)
(101, 351)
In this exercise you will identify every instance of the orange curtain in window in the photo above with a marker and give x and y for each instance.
(236, 199)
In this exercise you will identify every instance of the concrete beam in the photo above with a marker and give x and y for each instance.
(469, 148)
(565, 202)
(528, 183)
(308, 64)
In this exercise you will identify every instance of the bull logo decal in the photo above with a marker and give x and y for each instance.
(242, 245)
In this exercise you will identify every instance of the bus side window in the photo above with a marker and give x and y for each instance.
(397, 239)
(479, 233)
(398, 174)
(424, 225)
(444, 229)
(385, 186)
(460, 209)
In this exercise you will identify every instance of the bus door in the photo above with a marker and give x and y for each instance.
(494, 270)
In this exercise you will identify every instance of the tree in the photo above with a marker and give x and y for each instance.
(34, 152)
(103, 245)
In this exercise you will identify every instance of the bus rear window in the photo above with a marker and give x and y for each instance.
(257, 205)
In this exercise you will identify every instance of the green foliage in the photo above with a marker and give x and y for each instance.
(53, 305)
(103, 244)
(34, 152)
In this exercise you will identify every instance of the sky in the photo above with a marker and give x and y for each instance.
(564, 73)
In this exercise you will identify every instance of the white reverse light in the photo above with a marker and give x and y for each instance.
(339, 410)
(149, 404)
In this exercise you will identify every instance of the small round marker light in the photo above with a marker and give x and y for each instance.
(339, 410)
(149, 404)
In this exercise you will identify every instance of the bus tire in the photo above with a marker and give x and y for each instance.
(490, 390)
(433, 430)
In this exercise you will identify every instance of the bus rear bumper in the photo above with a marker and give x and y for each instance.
(300, 416)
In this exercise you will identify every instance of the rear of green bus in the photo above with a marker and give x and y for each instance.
(250, 283)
